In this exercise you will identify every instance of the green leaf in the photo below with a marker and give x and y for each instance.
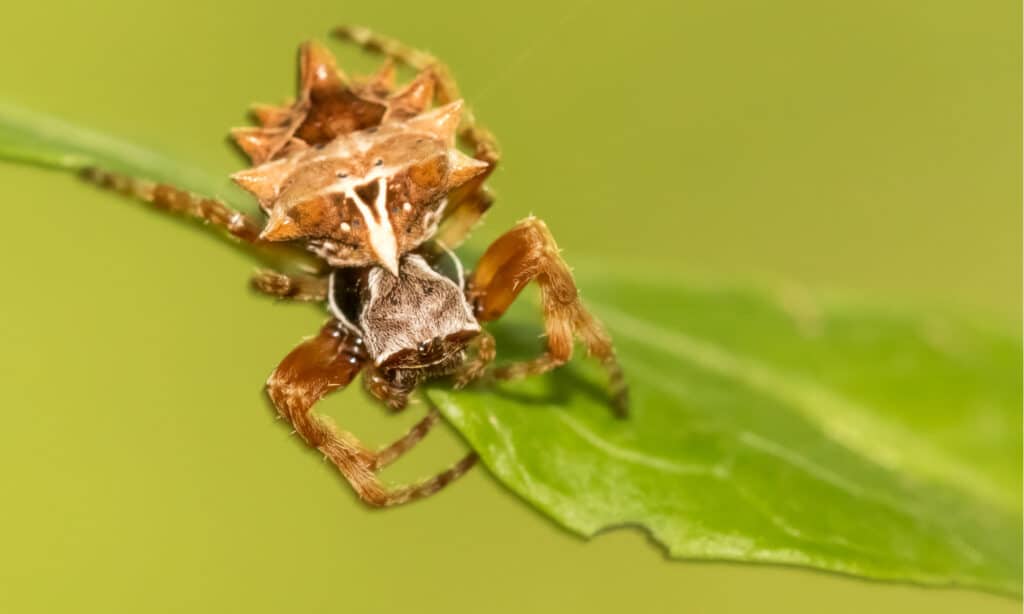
(772, 427)
(767, 426)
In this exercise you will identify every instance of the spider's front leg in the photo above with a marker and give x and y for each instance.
(176, 200)
(526, 253)
(296, 287)
(204, 209)
(484, 352)
(325, 363)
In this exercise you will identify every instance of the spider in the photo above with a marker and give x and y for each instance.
(367, 177)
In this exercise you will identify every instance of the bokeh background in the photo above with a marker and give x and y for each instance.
(872, 146)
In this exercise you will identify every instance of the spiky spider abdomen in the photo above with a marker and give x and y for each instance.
(368, 178)
(365, 197)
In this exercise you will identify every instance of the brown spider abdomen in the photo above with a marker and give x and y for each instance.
(332, 115)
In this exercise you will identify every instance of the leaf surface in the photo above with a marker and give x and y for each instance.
(769, 426)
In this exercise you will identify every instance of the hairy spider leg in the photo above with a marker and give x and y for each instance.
(528, 253)
(325, 363)
(207, 210)
(467, 204)
(170, 198)
(390, 453)
(297, 286)
(484, 352)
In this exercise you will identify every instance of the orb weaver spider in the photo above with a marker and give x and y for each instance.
(368, 178)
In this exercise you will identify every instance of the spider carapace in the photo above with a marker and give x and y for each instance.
(368, 177)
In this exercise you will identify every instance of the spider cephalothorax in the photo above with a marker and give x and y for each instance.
(368, 178)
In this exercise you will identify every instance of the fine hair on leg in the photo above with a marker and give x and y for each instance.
(528, 253)
(323, 364)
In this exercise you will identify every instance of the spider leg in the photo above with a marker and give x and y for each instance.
(475, 367)
(297, 287)
(390, 453)
(467, 204)
(526, 253)
(176, 200)
(235, 224)
(325, 363)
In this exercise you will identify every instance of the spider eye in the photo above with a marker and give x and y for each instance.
(379, 162)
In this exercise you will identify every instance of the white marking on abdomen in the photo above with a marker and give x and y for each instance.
(382, 235)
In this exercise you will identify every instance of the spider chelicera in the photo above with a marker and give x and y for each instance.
(368, 178)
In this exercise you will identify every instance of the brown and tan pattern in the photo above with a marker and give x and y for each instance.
(469, 202)
(368, 177)
(367, 196)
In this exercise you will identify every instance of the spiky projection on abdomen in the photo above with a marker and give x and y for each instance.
(360, 175)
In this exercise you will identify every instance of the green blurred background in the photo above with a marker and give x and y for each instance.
(873, 146)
